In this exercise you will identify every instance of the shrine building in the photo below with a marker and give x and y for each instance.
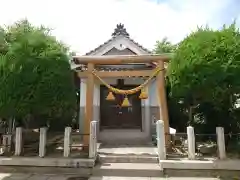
(122, 87)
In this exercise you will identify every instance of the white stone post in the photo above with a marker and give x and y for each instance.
(67, 140)
(18, 141)
(95, 132)
(161, 140)
(7, 142)
(93, 140)
(42, 141)
(4, 142)
(221, 142)
(191, 142)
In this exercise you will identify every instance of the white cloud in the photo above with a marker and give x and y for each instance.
(85, 24)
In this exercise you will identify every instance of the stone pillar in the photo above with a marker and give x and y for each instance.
(191, 142)
(221, 142)
(7, 141)
(96, 104)
(67, 140)
(10, 125)
(18, 141)
(42, 141)
(146, 119)
(93, 139)
(82, 104)
(161, 140)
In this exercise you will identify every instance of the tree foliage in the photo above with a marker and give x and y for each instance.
(204, 73)
(35, 74)
(164, 46)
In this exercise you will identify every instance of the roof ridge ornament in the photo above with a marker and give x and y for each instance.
(120, 30)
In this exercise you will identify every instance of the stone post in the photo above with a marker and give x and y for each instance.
(93, 139)
(221, 143)
(42, 141)
(7, 142)
(191, 142)
(67, 140)
(161, 140)
(18, 141)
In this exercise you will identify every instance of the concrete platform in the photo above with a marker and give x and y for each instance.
(128, 150)
(21, 176)
(232, 165)
(47, 162)
(17, 176)
(128, 159)
(149, 178)
(82, 172)
(128, 153)
(128, 170)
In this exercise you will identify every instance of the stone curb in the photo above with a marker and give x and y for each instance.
(201, 165)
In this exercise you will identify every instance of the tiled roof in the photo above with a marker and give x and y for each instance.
(112, 39)
(120, 30)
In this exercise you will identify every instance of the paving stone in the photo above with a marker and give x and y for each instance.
(118, 178)
(149, 178)
(192, 178)
(38, 177)
(58, 178)
(17, 176)
(99, 178)
(4, 176)
(77, 178)
(129, 178)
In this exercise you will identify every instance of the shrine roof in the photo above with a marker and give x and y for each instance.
(120, 30)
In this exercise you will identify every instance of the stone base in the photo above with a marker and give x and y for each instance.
(202, 173)
(47, 162)
(128, 170)
(82, 172)
(128, 159)
(232, 165)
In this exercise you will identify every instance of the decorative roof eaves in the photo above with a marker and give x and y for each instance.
(140, 46)
(97, 48)
(113, 38)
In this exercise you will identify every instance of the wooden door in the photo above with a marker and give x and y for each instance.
(114, 116)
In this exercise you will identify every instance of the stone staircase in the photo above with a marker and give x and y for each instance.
(128, 161)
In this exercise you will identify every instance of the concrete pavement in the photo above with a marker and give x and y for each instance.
(149, 178)
(21, 176)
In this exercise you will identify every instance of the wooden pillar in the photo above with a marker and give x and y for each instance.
(88, 117)
(162, 101)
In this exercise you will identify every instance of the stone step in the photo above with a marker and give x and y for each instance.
(126, 142)
(127, 159)
(120, 154)
(128, 170)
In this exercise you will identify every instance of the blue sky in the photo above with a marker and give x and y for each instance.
(85, 24)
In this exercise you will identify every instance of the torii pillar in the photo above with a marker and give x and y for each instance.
(88, 113)
(162, 101)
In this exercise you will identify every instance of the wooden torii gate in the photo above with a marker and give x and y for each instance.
(92, 61)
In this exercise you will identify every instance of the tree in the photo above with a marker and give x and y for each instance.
(164, 46)
(204, 73)
(35, 74)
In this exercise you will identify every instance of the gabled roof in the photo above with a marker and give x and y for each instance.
(119, 31)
